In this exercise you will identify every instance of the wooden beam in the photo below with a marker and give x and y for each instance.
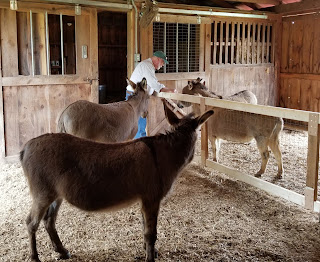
(269, 2)
(300, 7)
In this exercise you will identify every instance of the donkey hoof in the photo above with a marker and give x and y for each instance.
(35, 259)
(258, 175)
(64, 256)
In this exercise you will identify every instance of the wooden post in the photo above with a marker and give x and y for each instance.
(204, 135)
(312, 161)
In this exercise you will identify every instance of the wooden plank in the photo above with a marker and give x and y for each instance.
(306, 94)
(249, 44)
(258, 183)
(285, 47)
(315, 96)
(39, 36)
(9, 44)
(204, 135)
(301, 76)
(307, 46)
(238, 44)
(2, 123)
(42, 80)
(82, 28)
(183, 19)
(130, 42)
(180, 76)
(220, 42)
(298, 115)
(243, 60)
(259, 44)
(296, 37)
(316, 49)
(276, 58)
(24, 54)
(313, 153)
(207, 53)
(93, 58)
(202, 48)
(232, 41)
(215, 43)
(253, 50)
(226, 43)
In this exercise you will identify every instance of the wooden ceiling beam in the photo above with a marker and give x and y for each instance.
(304, 5)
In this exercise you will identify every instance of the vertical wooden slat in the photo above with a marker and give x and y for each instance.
(207, 53)
(202, 47)
(82, 29)
(285, 47)
(2, 138)
(232, 42)
(268, 43)
(9, 44)
(220, 42)
(243, 43)
(204, 135)
(277, 43)
(313, 156)
(40, 55)
(215, 43)
(307, 46)
(254, 54)
(238, 44)
(248, 61)
(259, 44)
(273, 43)
(263, 42)
(226, 43)
(94, 55)
(130, 41)
(316, 49)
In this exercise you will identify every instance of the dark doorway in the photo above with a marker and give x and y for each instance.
(112, 33)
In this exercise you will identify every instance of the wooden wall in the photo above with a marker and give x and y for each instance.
(26, 118)
(300, 63)
(228, 80)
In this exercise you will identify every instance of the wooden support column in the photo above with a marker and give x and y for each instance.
(311, 190)
(208, 54)
(204, 135)
(130, 40)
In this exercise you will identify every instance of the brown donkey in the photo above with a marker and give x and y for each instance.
(97, 176)
(237, 126)
(114, 122)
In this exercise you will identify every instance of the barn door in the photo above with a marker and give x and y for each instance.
(49, 59)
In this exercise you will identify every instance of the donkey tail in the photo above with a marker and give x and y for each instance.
(60, 127)
(277, 128)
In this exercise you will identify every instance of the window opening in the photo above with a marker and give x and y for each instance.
(46, 44)
(241, 43)
(181, 43)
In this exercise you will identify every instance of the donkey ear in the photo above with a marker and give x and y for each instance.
(204, 83)
(190, 85)
(129, 82)
(198, 79)
(171, 117)
(143, 83)
(204, 117)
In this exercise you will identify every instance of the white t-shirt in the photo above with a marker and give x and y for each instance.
(146, 69)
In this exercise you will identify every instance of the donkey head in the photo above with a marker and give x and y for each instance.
(195, 87)
(140, 91)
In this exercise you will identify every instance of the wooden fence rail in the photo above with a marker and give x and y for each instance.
(309, 199)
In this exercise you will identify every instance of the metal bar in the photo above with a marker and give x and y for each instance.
(31, 44)
(47, 44)
(61, 34)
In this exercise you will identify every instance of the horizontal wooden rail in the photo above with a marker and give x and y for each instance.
(293, 114)
(309, 199)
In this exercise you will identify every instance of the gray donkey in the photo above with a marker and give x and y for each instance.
(114, 122)
(98, 176)
(237, 126)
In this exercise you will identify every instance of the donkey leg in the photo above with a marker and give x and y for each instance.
(275, 148)
(32, 221)
(150, 212)
(262, 144)
(49, 222)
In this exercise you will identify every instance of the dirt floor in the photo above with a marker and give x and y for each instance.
(206, 217)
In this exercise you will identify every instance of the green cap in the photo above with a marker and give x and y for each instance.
(161, 55)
